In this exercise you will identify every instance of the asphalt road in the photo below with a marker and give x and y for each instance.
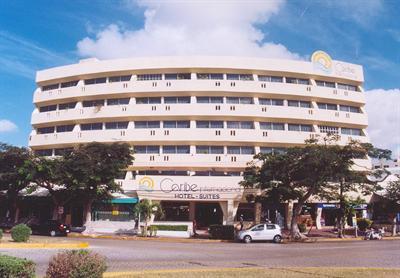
(144, 255)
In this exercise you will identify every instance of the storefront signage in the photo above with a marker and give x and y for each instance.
(322, 62)
(190, 188)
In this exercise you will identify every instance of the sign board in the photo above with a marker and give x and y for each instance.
(189, 188)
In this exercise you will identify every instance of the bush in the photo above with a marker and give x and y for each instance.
(302, 227)
(12, 267)
(21, 233)
(363, 224)
(222, 232)
(76, 264)
(183, 228)
(1, 234)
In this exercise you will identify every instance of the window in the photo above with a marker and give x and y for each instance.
(92, 126)
(272, 126)
(118, 101)
(325, 84)
(299, 103)
(117, 125)
(240, 125)
(48, 108)
(352, 109)
(62, 151)
(65, 128)
(327, 106)
(209, 124)
(267, 78)
(176, 124)
(69, 84)
(177, 76)
(170, 100)
(176, 149)
(213, 76)
(209, 99)
(144, 77)
(240, 150)
(347, 87)
(45, 152)
(300, 127)
(268, 101)
(50, 87)
(147, 149)
(297, 81)
(93, 103)
(123, 78)
(68, 105)
(95, 81)
(272, 150)
(240, 100)
(148, 100)
(209, 149)
(45, 130)
(352, 131)
(258, 228)
(245, 77)
(328, 129)
(147, 124)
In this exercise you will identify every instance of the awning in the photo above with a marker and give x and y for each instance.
(124, 201)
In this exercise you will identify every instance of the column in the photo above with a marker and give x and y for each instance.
(229, 209)
(192, 211)
(318, 218)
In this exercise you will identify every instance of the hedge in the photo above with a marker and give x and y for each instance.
(222, 232)
(183, 228)
(12, 267)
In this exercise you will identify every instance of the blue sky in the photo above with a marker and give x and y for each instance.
(39, 34)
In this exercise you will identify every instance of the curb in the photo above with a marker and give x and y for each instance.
(160, 239)
(347, 239)
(77, 245)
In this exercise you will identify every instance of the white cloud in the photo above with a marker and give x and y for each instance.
(191, 28)
(384, 118)
(7, 126)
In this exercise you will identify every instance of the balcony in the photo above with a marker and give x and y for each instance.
(200, 86)
(200, 111)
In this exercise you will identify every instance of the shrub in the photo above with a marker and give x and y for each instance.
(171, 227)
(21, 233)
(222, 232)
(302, 227)
(12, 267)
(1, 234)
(76, 264)
(363, 223)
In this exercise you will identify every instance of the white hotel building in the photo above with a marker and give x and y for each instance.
(194, 122)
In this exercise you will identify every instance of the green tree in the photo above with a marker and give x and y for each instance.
(302, 172)
(90, 170)
(146, 209)
(13, 176)
(392, 194)
(47, 173)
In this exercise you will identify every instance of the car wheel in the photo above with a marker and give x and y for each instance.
(247, 239)
(52, 233)
(277, 239)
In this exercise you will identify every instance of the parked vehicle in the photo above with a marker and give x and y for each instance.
(263, 231)
(49, 228)
(374, 234)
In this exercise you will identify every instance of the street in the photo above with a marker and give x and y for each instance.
(124, 255)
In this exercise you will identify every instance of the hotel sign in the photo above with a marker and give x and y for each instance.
(189, 188)
(322, 62)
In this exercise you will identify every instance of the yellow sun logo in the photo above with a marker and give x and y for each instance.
(322, 61)
(146, 183)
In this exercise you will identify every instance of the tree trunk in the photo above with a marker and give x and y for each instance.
(295, 234)
(88, 211)
(394, 227)
(145, 228)
(13, 207)
(341, 212)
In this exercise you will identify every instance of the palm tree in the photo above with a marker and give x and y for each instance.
(146, 209)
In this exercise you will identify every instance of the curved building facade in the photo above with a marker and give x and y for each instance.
(194, 122)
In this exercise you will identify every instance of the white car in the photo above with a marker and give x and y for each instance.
(263, 231)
